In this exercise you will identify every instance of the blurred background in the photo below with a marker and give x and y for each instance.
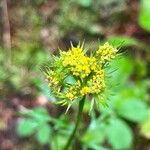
(32, 29)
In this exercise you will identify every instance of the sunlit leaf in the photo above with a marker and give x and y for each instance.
(119, 134)
(121, 69)
(122, 41)
(144, 14)
(70, 80)
(85, 3)
(26, 127)
(43, 134)
(95, 134)
(40, 114)
(145, 127)
(133, 109)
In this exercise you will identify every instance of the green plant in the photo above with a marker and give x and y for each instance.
(36, 121)
(144, 19)
(115, 120)
(72, 76)
(88, 76)
(20, 75)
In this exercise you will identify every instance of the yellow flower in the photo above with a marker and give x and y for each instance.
(87, 72)
(106, 52)
(85, 90)
(97, 82)
(70, 96)
(52, 78)
(78, 63)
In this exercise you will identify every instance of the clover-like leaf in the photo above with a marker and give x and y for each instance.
(43, 134)
(26, 127)
(144, 15)
(119, 134)
(133, 109)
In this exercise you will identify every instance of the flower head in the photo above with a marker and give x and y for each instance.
(77, 62)
(86, 73)
(106, 52)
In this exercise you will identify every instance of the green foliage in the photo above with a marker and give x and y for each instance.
(43, 135)
(108, 129)
(122, 41)
(85, 3)
(25, 68)
(38, 2)
(36, 122)
(145, 127)
(27, 127)
(3, 73)
(69, 21)
(91, 138)
(43, 88)
(129, 109)
(127, 104)
(140, 66)
(62, 129)
(119, 134)
(89, 20)
(144, 15)
(70, 80)
(121, 67)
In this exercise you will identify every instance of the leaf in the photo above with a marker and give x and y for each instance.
(70, 80)
(97, 147)
(43, 87)
(122, 41)
(26, 127)
(95, 134)
(133, 110)
(40, 114)
(85, 3)
(145, 127)
(144, 14)
(121, 69)
(43, 134)
(58, 141)
(119, 134)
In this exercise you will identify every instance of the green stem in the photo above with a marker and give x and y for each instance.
(81, 104)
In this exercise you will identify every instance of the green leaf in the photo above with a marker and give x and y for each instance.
(95, 134)
(40, 114)
(119, 134)
(58, 141)
(144, 15)
(122, 41)
(122, 69)
(98, 147)
(85, 3)
(43, 87)
(133, 110)
(70, 80)
(145, 127)
(43, 134)
(26, 127)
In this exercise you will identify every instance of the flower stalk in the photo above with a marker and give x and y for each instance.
(80, 110)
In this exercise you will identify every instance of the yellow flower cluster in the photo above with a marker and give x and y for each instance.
(105, 53)
(73, 90)
(79, 64)
(87, 72)
(85, 90)
(94, 85)
(97, 82)
(70, 95)
(52, 78)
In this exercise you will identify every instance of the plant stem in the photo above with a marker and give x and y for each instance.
(6, 32)
(81, 104)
